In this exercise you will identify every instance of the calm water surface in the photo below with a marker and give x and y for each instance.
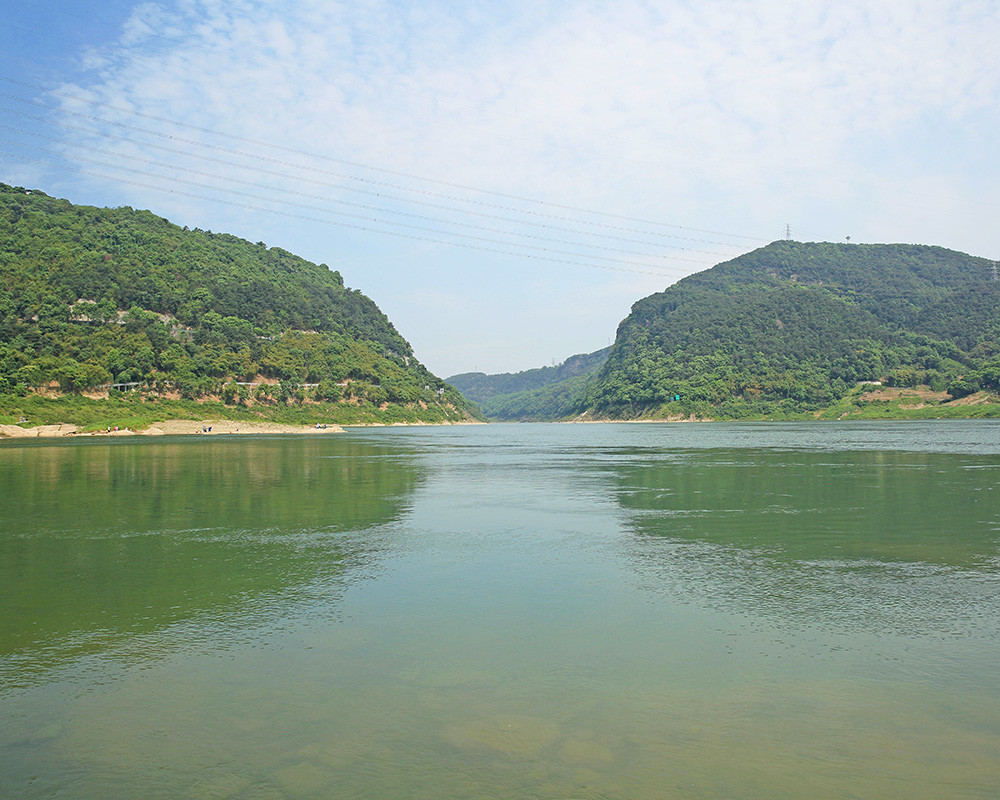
(524, 611)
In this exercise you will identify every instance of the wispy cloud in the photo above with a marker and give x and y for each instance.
(733, 116)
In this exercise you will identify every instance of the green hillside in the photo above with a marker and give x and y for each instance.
(793, 328)
(91, 298)
(534, 394)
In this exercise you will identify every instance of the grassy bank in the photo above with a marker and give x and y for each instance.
(861, 404)
(981, 406)
(139, 412)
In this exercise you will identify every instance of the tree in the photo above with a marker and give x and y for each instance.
(962, 387)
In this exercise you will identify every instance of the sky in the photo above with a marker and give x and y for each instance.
(505, 179)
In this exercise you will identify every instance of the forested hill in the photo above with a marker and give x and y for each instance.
(794, 327)
(480, 387)
(791, 330)
(96, 296)
(534, 394)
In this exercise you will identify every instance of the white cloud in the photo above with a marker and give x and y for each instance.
(727, 115)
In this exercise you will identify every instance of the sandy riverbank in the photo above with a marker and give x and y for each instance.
(167, 427)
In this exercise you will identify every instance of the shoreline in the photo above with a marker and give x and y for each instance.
(173, 427)
(215, 427)
(199, 427)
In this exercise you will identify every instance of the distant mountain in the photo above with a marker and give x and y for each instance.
(794, 327)
(479, 386)
(92, 297)
(537, 394)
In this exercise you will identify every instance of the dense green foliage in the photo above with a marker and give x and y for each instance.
(794, 327)
(545, 404)
(95, 296)
(791, 330)
(535, 394)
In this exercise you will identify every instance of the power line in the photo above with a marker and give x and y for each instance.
(369, 167)
(341, 187)
(279, 162)
(582, 258)
(167, 40)
(619, 257)
(578, 260)
(174, 179)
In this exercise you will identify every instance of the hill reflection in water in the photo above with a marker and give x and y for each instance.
(111, 541)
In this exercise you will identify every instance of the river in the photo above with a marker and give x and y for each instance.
(755, 610)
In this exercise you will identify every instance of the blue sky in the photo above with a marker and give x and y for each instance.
(503, 178)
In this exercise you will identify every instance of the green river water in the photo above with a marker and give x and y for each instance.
(507, 611)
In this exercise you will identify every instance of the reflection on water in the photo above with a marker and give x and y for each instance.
(893, 506)
(644, 611)
(108, 541)
(873, 540)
